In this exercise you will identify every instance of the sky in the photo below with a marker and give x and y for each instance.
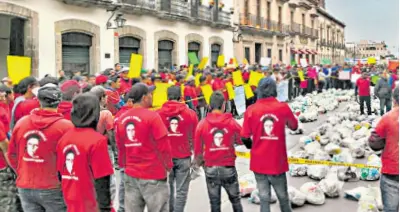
(376, 20)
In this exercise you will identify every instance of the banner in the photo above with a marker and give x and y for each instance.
(237, 78)
(344, 75)
(207, 92)
(255, 78)
(229, 89)
(135, 66)
(240, 100)
(303, 62)
(203, 63)
(371, 60)
(18, 68)
(245, 61)
(193, 58)
(221, 61)
(393, 64)
(265, 61)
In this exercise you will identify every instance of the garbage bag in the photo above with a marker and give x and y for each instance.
(368, 201)
(371, 174)
(247, 184)
(255, 197)
(297, 198)
(348, 174)
(331, 186)
(298, 170)
(314, 194)
(346, 142)
(304, 140)
(355, 193)
(321, 155)
(324, 128)
(298, 154)
(332, 149)
(357, 148)
(311, 148)
(317, 172)
(315, 136)
(335, 138)
(362, 132)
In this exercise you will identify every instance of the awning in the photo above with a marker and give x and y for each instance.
(309, 51)
(314, 51)
(301, 51)
(294, 51)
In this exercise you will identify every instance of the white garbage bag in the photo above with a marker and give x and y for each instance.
(317, 172)
(347, 174)
(314, 194)
(335, 138)
(298, 170)
(304, 140)
(321, 155)
(368, 202)
(371, 174)
(357, 149)
(331, 186)
(247, 184)
(298, 154)
(315, 136)
(346, 142)
(296, 197)
(343, 157)
(332, 149)
(255, 197)
(360, 133)
(311, 148)
(355, 193)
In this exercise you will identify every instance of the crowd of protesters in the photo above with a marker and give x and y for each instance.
(64, 138)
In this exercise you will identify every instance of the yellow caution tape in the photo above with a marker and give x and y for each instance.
(313, 162)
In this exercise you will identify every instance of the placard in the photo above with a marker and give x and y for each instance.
(265, 61)
(237, 78)
(393, 64)
(355, 77)
(221, 61)
(207, 92)
(371, 60)
(301, 75)
(248, 91)
(245, 61)
(303, 62)
(203, 63)
(190, 72)
(344, 75)
(18, 68)
(240, 100)
(160, 94)
(255, 78)
(197, 79)
(135, 66)
(230, 90)
(193, 58)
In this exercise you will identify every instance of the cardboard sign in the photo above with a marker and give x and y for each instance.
(197, 79)
(160, 94)
(207, 92)
(221, 61)
(255, 78)
(301, 75)
(303, 62)
(237, 78)
(203, 63)
(248, 91)
(265, 61)
(233, 62)
(325, 61)
(240, 100)
(245, 61)
(393, 64)
(344, 75)
(190, 72)
(193, 58)
(355, 77)
(135, 66)
(229, 89)
(371, 60)
(18, 68)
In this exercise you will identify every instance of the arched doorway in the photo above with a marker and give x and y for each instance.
(76, 53)
(127, 46)
(165, 48)
(215, 52)
(194, 47)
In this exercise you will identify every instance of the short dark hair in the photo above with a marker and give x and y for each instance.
(114, 78)
(87, 88)
(26, 83)
(217, 100)
(174, 93)
(136, 80)
(5, 89)
(396, 94)
(47, 80)
(202, 79)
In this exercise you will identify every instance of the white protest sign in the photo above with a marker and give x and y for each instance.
(265, 61)
(303, 62)
(354, 77)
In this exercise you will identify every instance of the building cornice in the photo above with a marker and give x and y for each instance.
(292, 5)
(283, 1)
(330, 17)
(305, 6)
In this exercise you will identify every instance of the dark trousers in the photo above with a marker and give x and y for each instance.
(9, 200)
(385, 103)
(35, 200)
(218, 177)
(290, 90)
(179, 179)
(310, 86)
(321, 84)
(367, 100)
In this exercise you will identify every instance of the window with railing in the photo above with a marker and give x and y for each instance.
(258, 18)
(280, 15)
(268, 11)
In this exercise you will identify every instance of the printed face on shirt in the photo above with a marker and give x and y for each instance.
(268, 125)
(69, 161)
(32, 145)
(130, 131)
(173, 124)
(218, 137)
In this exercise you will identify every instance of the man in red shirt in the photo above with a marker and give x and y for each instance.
(69, 89)
(125, 83)
(362, 85)
(264, 133)
(83, 161)
(215, 140)
(32, 153)
(144, 152)
(181, 123)
(386, 137)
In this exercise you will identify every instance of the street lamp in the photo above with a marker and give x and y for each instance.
(119, 19)
(237, 34)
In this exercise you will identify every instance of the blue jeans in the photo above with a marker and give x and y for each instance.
(179, 179)
(390, 192)
(385, 103)
(34, 200)
(153, 194)
(279, 183)
(218, 177)
(121, 191)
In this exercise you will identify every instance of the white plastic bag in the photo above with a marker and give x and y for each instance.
(297, 170)
(370, 174)
(343, 157)
(331, 186)
(314, 194)
(332, 149)
(255, 197)
(311, 148)
(247, 184)
(317, 172)
(355, 193)
(304, 141)
(367, 202)
(346, 174)
(296, 197)
(357, 149)
(360, 133)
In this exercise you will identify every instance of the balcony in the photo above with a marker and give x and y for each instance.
(138, 6)
(262, 25)
(89, 3)
(295, 29)
(173, 10)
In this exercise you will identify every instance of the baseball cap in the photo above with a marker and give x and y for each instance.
(139, 90)
(49, 95)
(123, 70)
(174, 92)
(101, 79)
(266, 88)
(67, 85)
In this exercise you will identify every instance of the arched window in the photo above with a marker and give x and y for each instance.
(127, 46)
(76, 53)
(215, 51)
(165, 48)
(194, 47)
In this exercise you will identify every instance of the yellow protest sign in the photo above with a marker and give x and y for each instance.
(247, 91)
(237, 78)
(190, 72)
(182, 90)
(255, 78)
(18, 68)
(221, 61)
(135, 66)
(160, 94)
(371, 60)
(229, 89)
(203, 63)
(245, 61)
(197, 79)
(301, 75)
(207, 92)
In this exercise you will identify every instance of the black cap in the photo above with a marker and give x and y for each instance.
(49, 96)
(174, 93)
(138, 91)
(266, 88)
(85, 111)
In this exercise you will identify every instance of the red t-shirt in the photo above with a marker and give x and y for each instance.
(388, 128)
(5, 116)
(215, 138)
(65, 109)
(125, 86)
(32, 149)
(82, 157)
(266, 125)
(363, 86)
(181, 123)
(190, 91)
(3, 137)
(106, 122)
(25, 108)
(143, 144)
(219, 85)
